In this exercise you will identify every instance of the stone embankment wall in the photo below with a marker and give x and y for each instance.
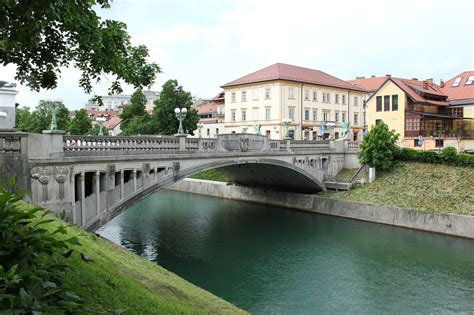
(451, 224)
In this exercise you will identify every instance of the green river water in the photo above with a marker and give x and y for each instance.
(270, 260)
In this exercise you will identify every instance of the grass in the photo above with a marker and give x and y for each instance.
(345, 174)
(212, 175)
(121, 282)
(428, 188)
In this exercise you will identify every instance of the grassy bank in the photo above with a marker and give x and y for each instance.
(428, 188)
(212, 175)
(121, 282)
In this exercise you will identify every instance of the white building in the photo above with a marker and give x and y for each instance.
(7, 105)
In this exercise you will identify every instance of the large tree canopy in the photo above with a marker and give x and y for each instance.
(80, 124)
(41, 36)
(173, 96)
(40, 118)
(135, 112)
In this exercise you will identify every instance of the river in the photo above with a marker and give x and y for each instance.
(266, 259)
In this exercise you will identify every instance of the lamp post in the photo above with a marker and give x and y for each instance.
(200, 125)
(180, 114)
(287, 122)
(53, 108)
(101, 121)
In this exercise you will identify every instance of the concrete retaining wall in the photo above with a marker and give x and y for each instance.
(451, 224)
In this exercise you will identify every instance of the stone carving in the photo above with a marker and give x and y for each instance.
(60, 173)
(176, 167)
(111, 169)
(146, 169)
(42, 173)
(244, 144)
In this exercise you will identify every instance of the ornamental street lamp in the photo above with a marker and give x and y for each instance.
(101, 121)
(53, 107)
(180, 114)
(200, 125)
(287, 122)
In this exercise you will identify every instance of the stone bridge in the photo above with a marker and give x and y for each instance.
(91, 179)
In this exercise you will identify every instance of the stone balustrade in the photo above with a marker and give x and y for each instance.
(10, 142)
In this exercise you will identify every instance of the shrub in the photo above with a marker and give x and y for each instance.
(31, 270)
(378, 149)
(463, 159)
(449, 155)
(429, 157)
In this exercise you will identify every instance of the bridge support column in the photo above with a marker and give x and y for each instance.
(122, 194)
(72, 197)
(97, 191)
(134, 174)
(83, 198)
(156, 173)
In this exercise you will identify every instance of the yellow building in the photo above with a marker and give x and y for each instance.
(417, 110)
(310, 98)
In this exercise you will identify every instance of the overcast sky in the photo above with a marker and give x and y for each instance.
(207, 43)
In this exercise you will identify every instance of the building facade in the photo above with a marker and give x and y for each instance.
(116, 101)
(211, 116)
(311, 99)
(7, 105)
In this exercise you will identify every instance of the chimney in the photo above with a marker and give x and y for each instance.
(372, 76)
(430, 81)
(388, 75)
(441, 83)
(425, 84)
(360, 78)
(414, 79)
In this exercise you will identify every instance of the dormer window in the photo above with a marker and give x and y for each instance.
(457, 81)
(470, 80)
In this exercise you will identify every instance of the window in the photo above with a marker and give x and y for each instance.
(291, 93)
(326, 116)
(336, 100)
(343, 99)
(232, 98)
(315, 96)
(267, 113)
(232, 115)
(255, 94)
(244, 115)
(244, 96)
(457, 81)
(416, 143)
(379, 103)
(378, 122)
(306, 114)
(336, 116)
(457, 112)
(217, 131)
(343, 117)
(208, 132)
(439, 143)
(386, 103)
(324, 97)
(394, 103)
(328, 97)
(268, 93)
(356, 118)
(315, 114)
(306, 95)
(255, 113)
(291, 113)
(356, 101)
(470, 80)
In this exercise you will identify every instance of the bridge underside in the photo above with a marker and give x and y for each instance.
(271, 177)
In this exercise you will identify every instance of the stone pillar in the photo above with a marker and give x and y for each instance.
(83, 199)
(97, 191)
(134, 174)
(156, 173)
(55, 142)
(122, 194)
(72, 192)
(182, 141)
(288, 145)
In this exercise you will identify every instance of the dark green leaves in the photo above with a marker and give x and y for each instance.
(379, 149)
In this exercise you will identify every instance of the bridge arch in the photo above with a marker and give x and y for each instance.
(262, 173)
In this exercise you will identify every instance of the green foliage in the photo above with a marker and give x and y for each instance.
(40, 118)
(214, 175)
(134, 118)
(379, 149)
(42, 36)
(448, 156)
(80, 124)
(31, 268)
(95, 129)
(173, 96)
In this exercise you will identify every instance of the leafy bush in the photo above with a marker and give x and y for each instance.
(449, 155)
(378, 149)
(31, 270)
(429, 157)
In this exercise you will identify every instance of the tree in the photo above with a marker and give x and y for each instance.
(135, 109)
(23, 119)
(41, 118)
(173, 96)
(379, 149)
(80, 123)
(95, 130)
(42, 36)
(139, 125)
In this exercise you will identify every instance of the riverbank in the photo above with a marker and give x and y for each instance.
(121, 282)
(450, 224)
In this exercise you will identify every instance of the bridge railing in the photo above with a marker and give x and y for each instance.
(77, 144)
(303, 145)
(11, 142)
(353, 144)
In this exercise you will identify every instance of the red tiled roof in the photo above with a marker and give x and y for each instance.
(281, 71)
(410, 86)
(206, 107)
(462, 91)
(112, 122)
(369, 84)
(219, 97)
